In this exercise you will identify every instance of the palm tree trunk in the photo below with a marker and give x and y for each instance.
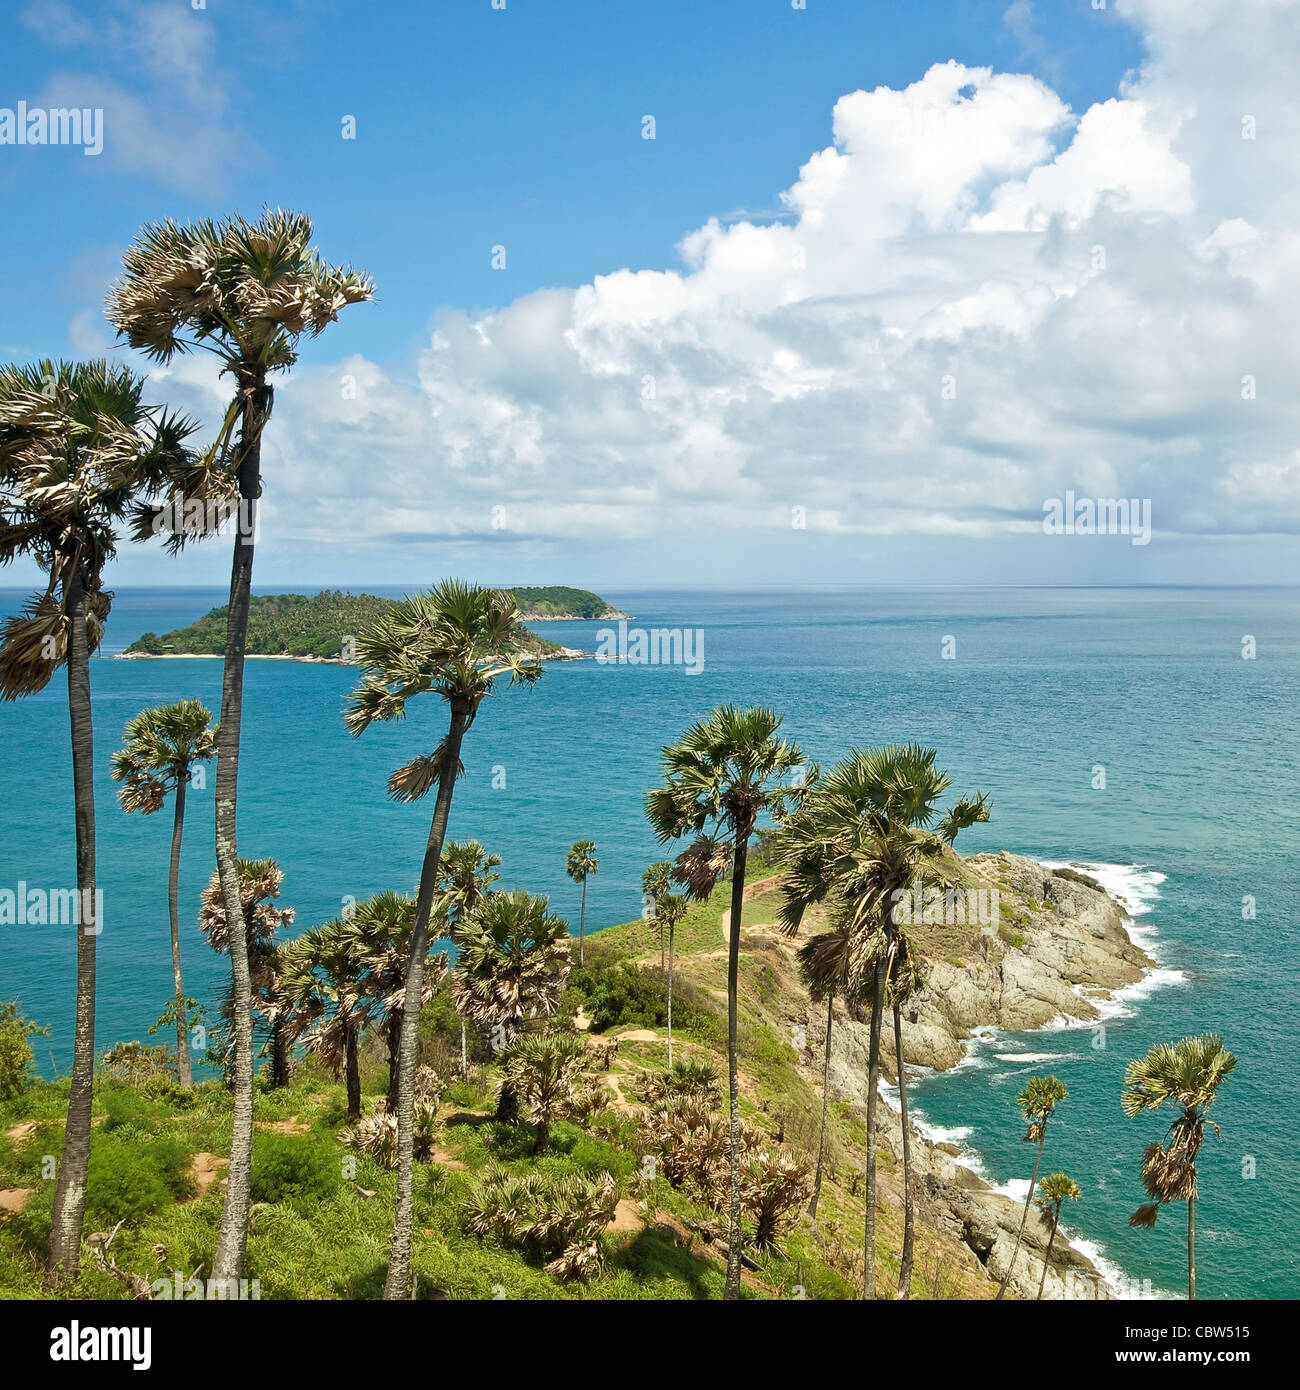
(184, 1074)
(232, 1241)
(279, 1055)
(1191, 1249)
(64, 1255)
(670, 997)
(873, 1077)
(826, 1104)
(394, 1068)
(734, 1240)
(464, 1055)
(397, 1284)
(542, 1143)
(1051, 1236)
(1029, 1197)
(353, 1072)
(582, 919)
(909, 1216)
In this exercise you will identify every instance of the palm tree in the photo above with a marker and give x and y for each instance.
(723, 774)
(541, 1069)
(247, 292)
(78, 451)
(162, 746)
(259, 887)
(903, 980)
(580, 865)
(655, 881)
(455, 641)
(465, 876)
(325, 975)
(1054, 1189)
(1037, 1101)
(670, 908)
(513, 964)
(1187, 1074)
(826, 967)
(861, 838)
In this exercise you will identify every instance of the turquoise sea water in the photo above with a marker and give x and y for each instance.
(1200, 808)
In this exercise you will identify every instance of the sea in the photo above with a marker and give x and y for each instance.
(1148, 736)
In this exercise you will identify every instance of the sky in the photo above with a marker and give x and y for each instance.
(886, 284)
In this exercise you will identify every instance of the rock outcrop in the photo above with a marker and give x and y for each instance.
(1058, 948)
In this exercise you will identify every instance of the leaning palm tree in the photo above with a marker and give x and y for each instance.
(1187, 1074)
(247, 292)
(162, 746)
(580, 865)
(826, 968)
(259, 887)
(1054, 1189)
(720, 777)
(465, 877)
(861, 838)
(456, 641)
(79, 450)
(1037, 1101)
(542, 1069)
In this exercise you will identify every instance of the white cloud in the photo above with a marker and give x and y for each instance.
(979, 300)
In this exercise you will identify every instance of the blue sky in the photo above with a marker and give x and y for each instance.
(522, 127)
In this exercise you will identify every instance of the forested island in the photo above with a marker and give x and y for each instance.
(316, 627)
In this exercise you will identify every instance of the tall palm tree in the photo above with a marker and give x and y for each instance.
(1037, 1101)
(79, 450)
(903, 980)
(465, 876)
(580, 865)
(1188, 1075)
(720, 777)
(162, 746)
(670, 908)
(259, 887)
(456, 641)
(541, 1069)
(1054, 1189)
(656, 880)
(826, 966)
(861, 838)
(247, 292)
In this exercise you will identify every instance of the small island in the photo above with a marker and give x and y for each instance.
(315, 627)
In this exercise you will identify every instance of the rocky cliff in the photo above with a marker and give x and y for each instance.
(1057, 947)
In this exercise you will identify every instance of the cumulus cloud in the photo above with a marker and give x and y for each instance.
(978, 300)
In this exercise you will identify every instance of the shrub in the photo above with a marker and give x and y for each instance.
(15, 1050)
(137, 1063)
(773, 1189)
(286, 1169)
(123, 1184)
(559, 1219)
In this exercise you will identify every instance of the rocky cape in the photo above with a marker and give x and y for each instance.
(1060, 947)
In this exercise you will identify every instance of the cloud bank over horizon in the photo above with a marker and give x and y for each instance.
(976, 300)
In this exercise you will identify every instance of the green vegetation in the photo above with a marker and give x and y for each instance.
(554, 602)
(320, 625)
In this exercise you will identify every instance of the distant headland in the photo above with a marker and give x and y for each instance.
(316, 627)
